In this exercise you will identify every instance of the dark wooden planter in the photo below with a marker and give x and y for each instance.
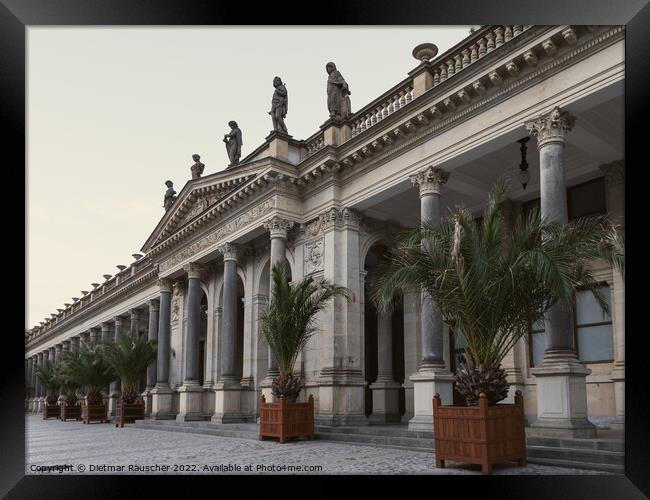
(93, 413)
(286, 420)
(70, 412)
(126, 413)
(50, 411)
(480, 434)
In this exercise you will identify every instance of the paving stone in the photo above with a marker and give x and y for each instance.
(51, 443)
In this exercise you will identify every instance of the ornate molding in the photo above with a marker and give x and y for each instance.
(164, 284)
(153, 304)
(278, 227)
(220, 233)
(429, 180)
(313, 256)
(551, 127)
(614, 172)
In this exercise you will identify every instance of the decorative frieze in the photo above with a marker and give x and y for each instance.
(200, 205)
(429, 180)
(551, 127)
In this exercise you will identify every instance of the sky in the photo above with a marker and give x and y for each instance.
(114, 112)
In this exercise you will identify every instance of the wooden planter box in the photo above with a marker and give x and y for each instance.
(69, 412)
(480, 434)
(50, 411)
(126, 413)
(93, 413)
(286, 420)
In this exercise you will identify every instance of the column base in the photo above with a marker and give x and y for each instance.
(385, 403)
(40, 402)
(618, 376)
(426, 383)
(146, 397)
(227, 403)
(161, 403)
(562, 399)
(112, 403)
(341, 398)
(190, 402)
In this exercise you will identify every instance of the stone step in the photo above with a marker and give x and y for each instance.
(199, 424)
(556, 462)
(396, 431)
(233, 433)
(576, 455)
(574, 443)
(416, 444)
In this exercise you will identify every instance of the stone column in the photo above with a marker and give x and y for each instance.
(32, 381)
(115, 388)
(190, 391)
(39, 386)
(152, 335)
(278, 229)
(161, 394)
(74, 344)
(58, 350)
(432, 376)
(106, 331)
(561, 380)
(28, 383)
(385, 391)
(94, 334)
(228, 388)
(615, 183)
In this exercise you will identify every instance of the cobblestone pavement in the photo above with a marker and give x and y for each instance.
(105, 449)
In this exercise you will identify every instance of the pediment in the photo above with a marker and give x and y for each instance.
(195, 198)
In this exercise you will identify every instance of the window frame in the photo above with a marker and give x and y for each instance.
(601, 284)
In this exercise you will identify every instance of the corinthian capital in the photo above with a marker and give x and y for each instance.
(165, 285)
(193, 270)
(429, 180)
(614, 172)
(229, 251)
(278, 226)
(551, 127)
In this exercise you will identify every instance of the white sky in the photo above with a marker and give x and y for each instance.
(114, 112)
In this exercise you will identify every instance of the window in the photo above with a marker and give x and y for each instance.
(593, 327)
(593, 331)
(583, 199)
(537, 343)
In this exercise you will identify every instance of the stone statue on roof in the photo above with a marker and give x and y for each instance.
(338, 94)
(279, 105)
(233, 143)
(170, 195)
(197, 168)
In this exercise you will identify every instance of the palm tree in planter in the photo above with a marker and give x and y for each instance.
(129, 358)
(48, 376)
(69, 407)
(491, 284)
(88, 369)
(287, 324)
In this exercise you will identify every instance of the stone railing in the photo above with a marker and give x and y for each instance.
(315, 143)
(444, 67)
(364, 119)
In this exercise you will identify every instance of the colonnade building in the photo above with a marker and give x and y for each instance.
(329, 205)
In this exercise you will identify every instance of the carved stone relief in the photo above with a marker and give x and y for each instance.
(313, 256)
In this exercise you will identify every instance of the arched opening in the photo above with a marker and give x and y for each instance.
(384, 394)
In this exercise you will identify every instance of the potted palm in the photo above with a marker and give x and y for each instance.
(70, 406)
(491, 284)
(48, 376)
(129, 358)
(88, 369)
(287, 324)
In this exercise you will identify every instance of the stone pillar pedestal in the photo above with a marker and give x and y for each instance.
(341, 400)
(426, 383)
(562, 400)
(385, 402)
(227, 408)
(161, 402)
(190, 402)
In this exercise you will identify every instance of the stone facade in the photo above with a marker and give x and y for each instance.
(326, 204)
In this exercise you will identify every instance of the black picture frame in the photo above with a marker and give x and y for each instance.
(17, 15)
